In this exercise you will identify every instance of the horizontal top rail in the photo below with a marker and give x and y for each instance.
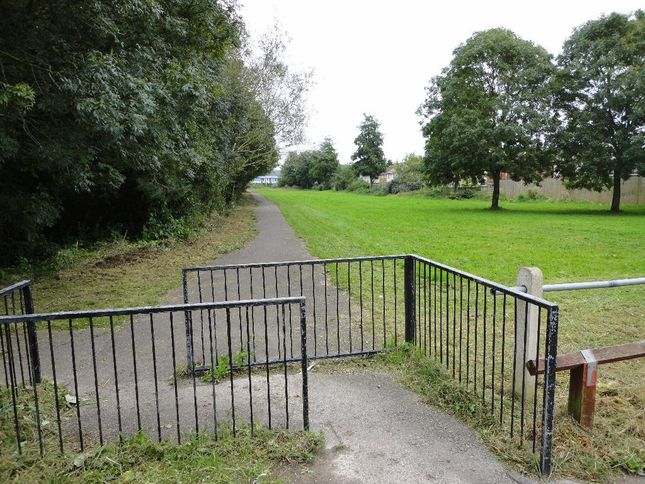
(254, 265)
(14, 287)
(99, 313)
(498, 288)
(515, 292)
(606, 354)
(572, 286)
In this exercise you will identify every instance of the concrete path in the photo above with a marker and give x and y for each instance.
(374, 430)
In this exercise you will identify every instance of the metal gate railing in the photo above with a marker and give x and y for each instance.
(481, 331)
(19, 348)
(108, 373)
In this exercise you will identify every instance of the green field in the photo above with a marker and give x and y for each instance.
(568, 241)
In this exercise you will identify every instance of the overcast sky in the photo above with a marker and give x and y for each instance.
(376, 57)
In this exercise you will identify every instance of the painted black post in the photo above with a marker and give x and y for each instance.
(32, 334)
(303, 358)
(409, 296)
(549, 390)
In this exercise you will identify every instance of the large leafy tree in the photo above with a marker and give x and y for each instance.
(601, 96)
(488, 113)
(122, 116)
(324, 164)
(306, 169)
(368, 158)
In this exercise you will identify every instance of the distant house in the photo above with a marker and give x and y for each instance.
(387, 176)
(270, 179)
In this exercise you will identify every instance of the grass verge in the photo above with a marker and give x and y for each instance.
(243, 458)
(125, 274)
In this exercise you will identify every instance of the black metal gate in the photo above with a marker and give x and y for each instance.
(357, 306)
(110, 373)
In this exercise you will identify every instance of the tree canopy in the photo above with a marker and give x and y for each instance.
(120, 116)
(368, 158)
(312, 168)
(488, 112)
(601, 99)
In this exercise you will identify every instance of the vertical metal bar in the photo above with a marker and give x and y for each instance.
(326, 312)
(116, 378)
(96, 381)
(434, 306)
(37, 414)
(313, 293)
(56, 402)
(492, 372)
(535, 389)
(417, 296)
(174, 378)
(4, 357)
(396, 329)
(252, 312)
(75, 374)
(372, 303)
(484, 347)
(426, 318)
(239, 310)
(514, 365)
(201, 314)
(383, 294)
(33, 334)
(360, 297)
(501, 402)
(266, 360)
(447, 320)
(154, 369)
(349, 303)
(277, 315)
(286, 379)
(289, 294)
(526, 330)
(454, 322)
(13, 385)
(230, 364)
(134, 366)
(468, 334)
(13, 305)
(212, 328)
(303, 356)
(441, 316)
(409, 292)
(461, 321)
(190, 361)
(476, 336)
(26, 337)
(337, 309)
(248, 366)
(551, 352)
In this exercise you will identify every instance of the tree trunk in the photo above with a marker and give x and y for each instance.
(615, 197)
(495, 201)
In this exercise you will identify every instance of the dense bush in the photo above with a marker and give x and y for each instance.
(397, 186)
(309, 169)
(122, 116)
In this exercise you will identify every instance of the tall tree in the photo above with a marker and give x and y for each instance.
(278, 88)
(324, 164)
(368, 158)
(601, 96)
(488, 112)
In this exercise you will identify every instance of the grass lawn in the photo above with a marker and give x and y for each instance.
(125, 274)
(568, 241)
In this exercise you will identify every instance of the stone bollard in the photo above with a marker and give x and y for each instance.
(527, 320)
